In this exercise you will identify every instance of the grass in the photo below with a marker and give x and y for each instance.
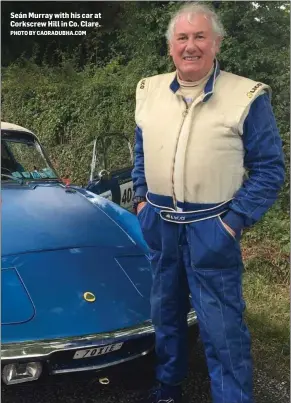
(267, 295)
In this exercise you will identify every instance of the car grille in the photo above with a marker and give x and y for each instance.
(62, 361)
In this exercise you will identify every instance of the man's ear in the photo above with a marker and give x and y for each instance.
(170, 47)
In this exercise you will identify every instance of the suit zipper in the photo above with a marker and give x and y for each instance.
(184, 114)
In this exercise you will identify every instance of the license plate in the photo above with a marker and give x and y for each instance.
(93, 352)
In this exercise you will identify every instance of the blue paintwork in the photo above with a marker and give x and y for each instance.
(58, 243)
(56, 282)
(15, 295)
(124, 218)
(62, 245)
(48, 217)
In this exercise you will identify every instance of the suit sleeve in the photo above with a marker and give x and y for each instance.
(138, 175)
(264, 162)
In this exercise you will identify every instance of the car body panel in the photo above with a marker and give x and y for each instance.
(15, 298)
(121, 216)
(14, 127)
(56, 282)
(51, 217)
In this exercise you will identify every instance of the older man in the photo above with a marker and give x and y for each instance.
(208, 163)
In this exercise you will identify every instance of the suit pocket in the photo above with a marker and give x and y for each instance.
(212, 246)
(223, 227)
(150, 223)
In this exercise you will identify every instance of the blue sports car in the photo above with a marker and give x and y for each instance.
(75, 274)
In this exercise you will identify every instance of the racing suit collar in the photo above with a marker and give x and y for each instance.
(209, 87)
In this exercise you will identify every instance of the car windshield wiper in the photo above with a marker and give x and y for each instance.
(51, 180)
(44, 180)
(19, 180)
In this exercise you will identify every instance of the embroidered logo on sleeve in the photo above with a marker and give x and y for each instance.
(253, 90)
(142, 84)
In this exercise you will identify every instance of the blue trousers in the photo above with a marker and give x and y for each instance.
(203, 259)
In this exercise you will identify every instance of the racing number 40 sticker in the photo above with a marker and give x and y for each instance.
(127, 196)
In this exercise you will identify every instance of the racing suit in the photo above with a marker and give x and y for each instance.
(218, 161)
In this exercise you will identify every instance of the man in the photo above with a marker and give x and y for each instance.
(208, 163)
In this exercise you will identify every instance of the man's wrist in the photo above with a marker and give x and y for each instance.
(232, 232)
(137, 200)
(140, 206)
(234, 221)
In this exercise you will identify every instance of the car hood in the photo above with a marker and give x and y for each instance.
(39, 218)
(43, 293)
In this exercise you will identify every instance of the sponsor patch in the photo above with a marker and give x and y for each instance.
(175, 217)
(142, 84)
(253, 90)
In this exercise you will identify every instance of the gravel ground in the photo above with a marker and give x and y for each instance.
(126, 387)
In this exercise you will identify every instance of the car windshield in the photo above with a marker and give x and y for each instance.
(22, 157)
(111, 152)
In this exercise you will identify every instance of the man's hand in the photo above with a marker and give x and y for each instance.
(230, 230)
(140, 206)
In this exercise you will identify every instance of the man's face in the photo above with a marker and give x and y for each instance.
(193, 47)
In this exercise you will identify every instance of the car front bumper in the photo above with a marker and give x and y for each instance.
(57, 354)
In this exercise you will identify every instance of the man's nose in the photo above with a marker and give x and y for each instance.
(191, 45)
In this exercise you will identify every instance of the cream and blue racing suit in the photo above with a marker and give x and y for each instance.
(218, 161)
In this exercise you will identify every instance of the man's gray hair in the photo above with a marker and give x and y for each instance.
(193, 9)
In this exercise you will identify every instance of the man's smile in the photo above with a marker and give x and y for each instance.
(191, 58)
